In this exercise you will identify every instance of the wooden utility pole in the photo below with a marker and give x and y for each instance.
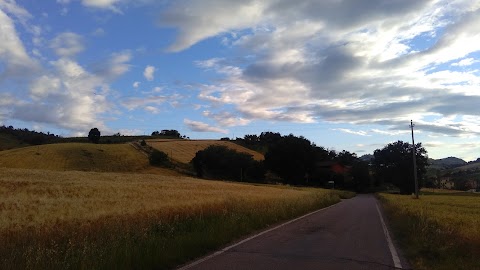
(414, 161)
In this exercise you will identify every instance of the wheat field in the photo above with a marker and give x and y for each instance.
(76, 157)
(439, 231)
(184, 150)
(93, 220)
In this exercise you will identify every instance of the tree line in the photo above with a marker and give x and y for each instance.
(297, 161)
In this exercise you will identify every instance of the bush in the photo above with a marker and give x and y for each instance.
(159, 158)
(143, 143)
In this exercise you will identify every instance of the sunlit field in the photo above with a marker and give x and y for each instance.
(437, 231)
(76, 156)
(91, 220)
(184, 150)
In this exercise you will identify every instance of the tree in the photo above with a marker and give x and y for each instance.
(159, 158)
(223, 163)
(94, 135)
(291, 158)
(167, 133)
(393, 164)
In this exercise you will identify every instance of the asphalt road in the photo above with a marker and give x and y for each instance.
(348, 235)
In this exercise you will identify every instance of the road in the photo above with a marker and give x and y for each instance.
(348, 235)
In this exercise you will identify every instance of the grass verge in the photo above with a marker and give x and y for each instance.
(86, 220)
(436, 231)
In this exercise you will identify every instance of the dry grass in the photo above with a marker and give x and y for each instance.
(438, 231)
(184, 150)
(94, 220)
(77, 157)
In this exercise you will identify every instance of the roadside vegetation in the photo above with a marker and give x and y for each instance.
(437, 231)
(91, 220)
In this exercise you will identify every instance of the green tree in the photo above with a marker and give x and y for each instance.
(159, 158)
(94, 135)
(291, 158)
(221, 162)
(393, 164)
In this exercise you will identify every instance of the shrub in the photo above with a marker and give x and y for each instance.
(159, 158)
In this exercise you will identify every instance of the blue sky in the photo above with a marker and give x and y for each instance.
(344, 74)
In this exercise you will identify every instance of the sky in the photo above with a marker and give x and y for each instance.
(345, 74)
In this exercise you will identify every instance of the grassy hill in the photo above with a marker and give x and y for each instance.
(9, 142)
(76, 157)
(184, 150)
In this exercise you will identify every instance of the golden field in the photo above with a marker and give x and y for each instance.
(31, 198)
(76, 157)
(184, 150)
(92, 220)
(438, 231)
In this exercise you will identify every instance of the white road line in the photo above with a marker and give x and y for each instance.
(393, 251)
(250, 238)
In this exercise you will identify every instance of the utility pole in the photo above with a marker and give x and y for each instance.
(414, 161)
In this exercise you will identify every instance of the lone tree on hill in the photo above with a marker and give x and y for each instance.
(393, 164)
(94, 135)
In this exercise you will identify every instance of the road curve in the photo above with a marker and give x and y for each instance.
(348, 235)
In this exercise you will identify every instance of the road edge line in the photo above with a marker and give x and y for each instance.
(396, 260)
(252, 237)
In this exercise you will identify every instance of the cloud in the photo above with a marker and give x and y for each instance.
(226, 119)
(202, 127)
(14, 59)
(194, 21)
(136, 85)
(342, 62)
(67, 44)
(140, 102)
(117, 65)
(354, 132)
(102, 4)
(465, 62)
(99, 32)
(69, 97)
(148, 73)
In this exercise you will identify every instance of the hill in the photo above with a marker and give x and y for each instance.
(447, 163)
(184, 150)
(8, 141)
(76, 157)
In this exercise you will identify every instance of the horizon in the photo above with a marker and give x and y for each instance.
(345, 75)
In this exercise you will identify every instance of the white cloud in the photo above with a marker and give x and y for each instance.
(202, 127)
(148, 73)
(341, 61)
(227, 119)
(354, 132)
(67, 44)
(465, 62)
(13, 56)
(200, 20)
(118, 63)
(102, 4)
(136, 84)
(69, 98)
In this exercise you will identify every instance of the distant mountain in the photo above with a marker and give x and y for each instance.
(447, 163)
(367, 157)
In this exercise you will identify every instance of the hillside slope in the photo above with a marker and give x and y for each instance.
(76, 157)
(9, 142)
(184, 150)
